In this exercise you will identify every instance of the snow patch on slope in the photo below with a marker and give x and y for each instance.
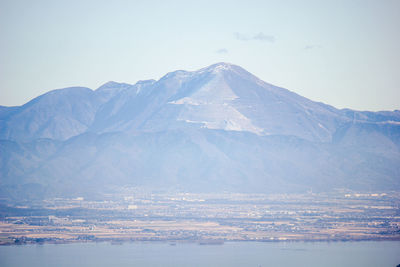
(212, 106)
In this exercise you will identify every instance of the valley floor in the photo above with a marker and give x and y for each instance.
(138, 215)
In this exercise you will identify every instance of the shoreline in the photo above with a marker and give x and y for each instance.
(208, 242)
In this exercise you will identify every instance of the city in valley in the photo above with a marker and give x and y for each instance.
(205, 218)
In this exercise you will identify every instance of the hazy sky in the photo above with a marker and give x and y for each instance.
(344, 53)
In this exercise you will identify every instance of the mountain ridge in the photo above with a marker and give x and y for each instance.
(217, 128)
(109, 90)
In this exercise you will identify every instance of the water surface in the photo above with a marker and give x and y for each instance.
(307, 254)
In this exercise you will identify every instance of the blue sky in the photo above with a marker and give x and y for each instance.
(343, 53)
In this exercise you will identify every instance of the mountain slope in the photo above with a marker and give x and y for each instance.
(217, 128)
(222, 96)
(195, 160)
(58, 114)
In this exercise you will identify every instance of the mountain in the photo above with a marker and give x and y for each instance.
(217, 128)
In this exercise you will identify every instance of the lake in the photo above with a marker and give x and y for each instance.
(307, 254)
